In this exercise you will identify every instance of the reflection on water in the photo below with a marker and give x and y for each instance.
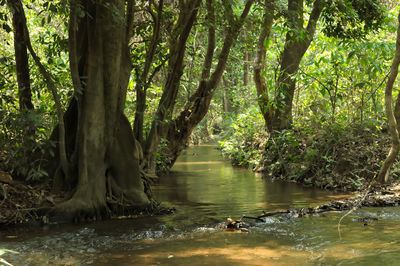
(206, 190)
(202, 183)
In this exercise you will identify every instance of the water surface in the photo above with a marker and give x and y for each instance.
(206, 190)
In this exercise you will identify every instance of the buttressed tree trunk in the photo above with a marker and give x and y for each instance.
(259, 80)
(180, 128)
(298, 39)
(104, 154)
(392, 117)
(21, 55)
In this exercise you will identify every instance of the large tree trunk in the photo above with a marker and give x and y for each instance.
(259, 67)
(297, 42)
(21, 55)
(181, 128)
(392, 117)
(105, 153)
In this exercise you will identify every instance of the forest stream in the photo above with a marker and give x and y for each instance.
(206, 190)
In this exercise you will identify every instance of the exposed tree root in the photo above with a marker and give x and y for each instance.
(77, 210)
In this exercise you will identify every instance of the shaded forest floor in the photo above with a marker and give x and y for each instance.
(20, 202)
(26, 203)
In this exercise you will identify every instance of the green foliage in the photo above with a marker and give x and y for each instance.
(24, 135)
(340, 81)
(335, 157)
(24, 142)
(163, 159)
(244, 147)
(329, 94)
(352, 19)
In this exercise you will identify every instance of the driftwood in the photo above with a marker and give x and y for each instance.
(385, 198)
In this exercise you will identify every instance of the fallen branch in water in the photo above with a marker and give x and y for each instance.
(251, 217)
(352, 210)
(386, 198)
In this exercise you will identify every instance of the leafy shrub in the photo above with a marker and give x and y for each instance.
(334, 157)
(163, 158)
(245, 144)
(24, 141)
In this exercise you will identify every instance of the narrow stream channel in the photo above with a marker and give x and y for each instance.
(206, 190)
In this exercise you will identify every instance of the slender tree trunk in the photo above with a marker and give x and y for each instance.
(139, 113)
(297, 42)
(21, 55)
(246, 67)
(142, 77)
(17, 5)
(180, 129)
(392, 117)
(225, 99)
(259, 67)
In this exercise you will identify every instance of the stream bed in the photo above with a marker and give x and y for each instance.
(206, 190)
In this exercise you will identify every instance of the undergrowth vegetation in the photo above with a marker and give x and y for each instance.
(333, 157)
(336, 136)
(339, 158)
(246, 140)
(24, 138)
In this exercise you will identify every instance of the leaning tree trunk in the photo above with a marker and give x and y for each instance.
(142, 76)
(181, 31)
(104, 154)
(21, 55)
(181, 128)
(295, 47)
(392, 117)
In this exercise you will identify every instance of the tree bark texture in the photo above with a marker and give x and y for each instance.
(180, 34)
(392, 117)
(181, 128)
(298, 39)
(264, 102)
(246, 67)
(21, 54)
(104, 152)
(143, 75)
(227, 101)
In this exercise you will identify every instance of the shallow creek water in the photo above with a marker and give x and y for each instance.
(206, 190)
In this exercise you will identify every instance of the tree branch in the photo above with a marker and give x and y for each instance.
(211, 40)
(314, 17)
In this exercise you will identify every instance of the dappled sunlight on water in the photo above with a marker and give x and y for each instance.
(231, 254)
(206, 190)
